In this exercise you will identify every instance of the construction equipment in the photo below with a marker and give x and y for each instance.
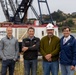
(16, 10)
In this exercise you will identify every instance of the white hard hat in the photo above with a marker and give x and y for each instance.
(50, 26)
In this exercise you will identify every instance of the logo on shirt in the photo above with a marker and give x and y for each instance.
(34, 40)
(68, 44)
(27, 41)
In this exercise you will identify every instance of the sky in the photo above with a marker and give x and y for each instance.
(67, 6)
(2, 17)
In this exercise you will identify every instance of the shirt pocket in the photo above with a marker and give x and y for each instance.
(27, 43)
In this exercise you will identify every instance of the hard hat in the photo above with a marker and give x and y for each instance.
(50, 26)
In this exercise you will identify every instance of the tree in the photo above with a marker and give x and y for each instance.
(58, 16)
(69, 23)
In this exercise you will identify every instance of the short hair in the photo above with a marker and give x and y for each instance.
(65, 28)
(31, 28)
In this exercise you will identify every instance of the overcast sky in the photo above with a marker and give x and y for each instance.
(67, 6)
(2, 17)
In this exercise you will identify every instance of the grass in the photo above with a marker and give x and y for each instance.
(19, 69)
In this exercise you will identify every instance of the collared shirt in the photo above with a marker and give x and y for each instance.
(10, 37)
(31, 38)
(66, 39)
(9, 48)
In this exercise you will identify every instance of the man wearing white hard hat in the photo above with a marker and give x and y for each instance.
(49, 48)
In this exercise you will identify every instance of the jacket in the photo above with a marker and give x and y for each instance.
(68, 51)
(32, 52)
(52, 48)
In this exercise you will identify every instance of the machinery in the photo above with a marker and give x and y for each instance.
(16, 10)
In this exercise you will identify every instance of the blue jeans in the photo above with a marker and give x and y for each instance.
(30, 65)
(10, 64)
(52, 67)
(65, 70)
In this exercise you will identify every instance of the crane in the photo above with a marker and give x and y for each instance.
(16, 10)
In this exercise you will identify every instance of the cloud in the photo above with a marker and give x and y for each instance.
(68, 6)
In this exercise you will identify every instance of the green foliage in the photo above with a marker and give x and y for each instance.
(69, 23)
(73, 16)
(58, 16)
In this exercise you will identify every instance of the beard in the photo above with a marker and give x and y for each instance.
(50, 34)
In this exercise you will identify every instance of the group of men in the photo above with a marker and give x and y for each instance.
(53, 50)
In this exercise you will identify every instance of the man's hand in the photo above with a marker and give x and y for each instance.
(48, 57)
(72, 67)
(24, 49)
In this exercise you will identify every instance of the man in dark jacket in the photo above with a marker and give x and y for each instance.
(30, 47)
(67, 53)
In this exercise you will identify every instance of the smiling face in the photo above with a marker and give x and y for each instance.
(66, 32)
(50, 32)
(31, 32)
(9, 31)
